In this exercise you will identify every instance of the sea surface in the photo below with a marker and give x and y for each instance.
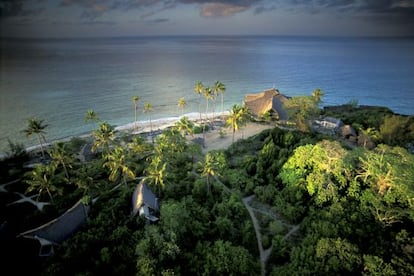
(58, 80)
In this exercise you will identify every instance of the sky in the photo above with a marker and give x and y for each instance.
(109, 18)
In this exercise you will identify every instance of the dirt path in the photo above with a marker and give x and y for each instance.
(264, 255)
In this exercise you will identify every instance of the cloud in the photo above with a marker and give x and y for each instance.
(17, 8)
(220, 9)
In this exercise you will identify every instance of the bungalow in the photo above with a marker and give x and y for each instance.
(329, 123)
(58, 230)
(145, 202)
(267, 101)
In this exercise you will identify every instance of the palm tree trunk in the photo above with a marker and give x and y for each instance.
(41, 145)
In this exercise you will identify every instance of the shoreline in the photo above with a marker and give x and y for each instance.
(144, 127)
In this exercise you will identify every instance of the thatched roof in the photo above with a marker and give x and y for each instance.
(61, 228)
(143, 196)
(267, 101)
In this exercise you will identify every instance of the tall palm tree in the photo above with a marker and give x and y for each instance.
(181, 104)
(199, 89)
(135, 100)
(213, 164)
(60, 157)
(208, 95)
(116, 162)
(148, 109)
(103, 137)
(36, 126)
(219, 88)
(238, 117)
(41, 179)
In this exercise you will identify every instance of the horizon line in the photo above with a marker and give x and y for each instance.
(203, 35)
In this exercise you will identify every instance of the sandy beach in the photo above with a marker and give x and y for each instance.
(215, 141)
(221, 137)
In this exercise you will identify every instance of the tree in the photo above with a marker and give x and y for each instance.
(387, 174)
(182, 104)
(208, 95)
(103, 137)
(198, 89)
(60, 157)
(184, 126)
(156, 173)
(41, 179)
(220, 88)
(319, 169)
(213, 165)
(301, 109)
(148, 109)
(135, 100)
(36, 126)
(317, 95)
(116, 162)
(91, 116)
(224, 258)
(238, 117)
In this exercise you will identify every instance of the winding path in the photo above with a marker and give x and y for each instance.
(264, 254)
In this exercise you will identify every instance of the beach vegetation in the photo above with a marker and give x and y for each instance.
(238, 117)
(91, 116)
(135, 100)
(199, 89)
(103, 137)
(182, 103)
(37, 127)
(149, 109)
(220, 88)
(301, 110)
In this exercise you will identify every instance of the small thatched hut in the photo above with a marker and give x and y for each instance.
(145, 202)
(267, 101)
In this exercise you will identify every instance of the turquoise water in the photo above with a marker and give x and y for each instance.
(58, 80)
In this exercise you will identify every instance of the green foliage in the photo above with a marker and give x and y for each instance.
(224, 258)
(301, 109)
(397, 130)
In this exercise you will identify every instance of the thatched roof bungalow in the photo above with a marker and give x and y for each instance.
(58, 230)
(145, 202)
(267, 101)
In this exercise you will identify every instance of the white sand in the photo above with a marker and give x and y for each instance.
(213, 139)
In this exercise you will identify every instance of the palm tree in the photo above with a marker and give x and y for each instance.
(42, 180)
(208, 94)
(317, 94)
(91, 116)
(156, 173)
(135, 100)
(36, 126)
(181, 104)
(213, 164)
(103, 137)
(238, 117)
(116, 163)
(219, 88)
(184, 126)
(148, 109)
(199, 88)
(60, 157)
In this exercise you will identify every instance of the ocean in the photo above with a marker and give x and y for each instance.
(58, 80)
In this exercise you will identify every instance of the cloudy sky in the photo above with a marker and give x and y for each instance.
(80, 18)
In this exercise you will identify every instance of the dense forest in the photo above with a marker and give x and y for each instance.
(323, 205)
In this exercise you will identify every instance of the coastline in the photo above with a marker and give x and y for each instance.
(143, 127)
